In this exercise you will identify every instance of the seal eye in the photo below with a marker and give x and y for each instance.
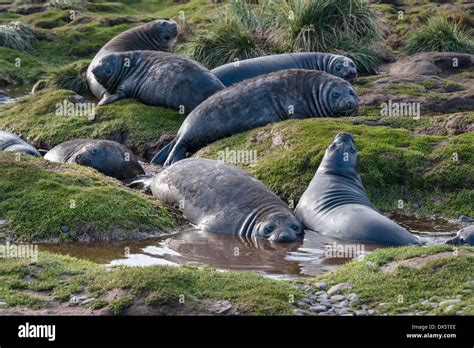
(269, 229)
(108, 71)
(338, 67)
(335, 95)
(295, 227)
(351, 92)
(353, 149)
(167, 37)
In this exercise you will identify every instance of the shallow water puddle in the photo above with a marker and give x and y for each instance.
(316, 254)
(15, 92)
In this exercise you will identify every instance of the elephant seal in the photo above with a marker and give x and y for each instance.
(218, 197)
(256, 102)
(10, 142)
(158, 35)
(336, 204)
(334, 64)
(464, 236)
(155, 78)
(108, 157)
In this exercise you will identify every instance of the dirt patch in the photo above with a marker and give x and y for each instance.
(420, 262)
(458, 123)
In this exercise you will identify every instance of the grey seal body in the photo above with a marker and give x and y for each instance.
(108, 157)
(10, 142)
(155, 78)
(334, 64)
(158, 35)
(336, 203)
(218, 197)
(254, 103)
(464, 236)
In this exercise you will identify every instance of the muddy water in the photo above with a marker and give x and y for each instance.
(15, 92)
(310, 256)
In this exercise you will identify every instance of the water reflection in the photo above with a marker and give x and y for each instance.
(316, 254)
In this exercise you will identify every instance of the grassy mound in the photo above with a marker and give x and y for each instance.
(410, 289)
(440, 35)
(432, 174)
(39, 197)
(159, 288)
(134, 124)
(245, 31)
(17, 36)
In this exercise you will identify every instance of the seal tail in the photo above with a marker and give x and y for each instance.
(161, 156)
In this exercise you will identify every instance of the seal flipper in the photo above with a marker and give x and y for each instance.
(110, 98)
(177, 154)
(161, 156)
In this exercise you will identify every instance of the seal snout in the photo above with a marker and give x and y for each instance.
(283, 236)
(343, 136)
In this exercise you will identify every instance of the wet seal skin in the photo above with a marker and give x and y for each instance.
(108, 157)
(465, 236)
(155, 78)
(157, 35)
(336, 204)
(334, 64)
(10, 142)
(218, 197)
(288, 94)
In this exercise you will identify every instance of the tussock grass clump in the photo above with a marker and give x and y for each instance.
(241, 32)
(67, 4)
(339, 26)
(17, 36)
(440, 35)
(247, 30)
(71, 77)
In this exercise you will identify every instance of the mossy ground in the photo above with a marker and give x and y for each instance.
(167, 290)
(406, 287)
(433, 172)
(398, 162)
(39, 197)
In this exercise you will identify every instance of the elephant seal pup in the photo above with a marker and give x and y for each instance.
(158, 35)
(218, 197)
(336, 204)
(155, 78)
(10, 142)
(254, 103)
(464, 236)
(334, 64)
(108, 157)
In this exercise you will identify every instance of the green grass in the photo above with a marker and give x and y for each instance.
(394, 164)
(135, 124)
(17, 36)
(440, 35)
(407, 287)
(161, 287)
(38, 197)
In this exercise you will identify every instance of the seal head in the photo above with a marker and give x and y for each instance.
(343, 67)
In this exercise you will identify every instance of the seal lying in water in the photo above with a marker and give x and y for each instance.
(155, 78)
(217, 197)
(257, 102)
(336, 204)
(464, 236)
(158, 35)
(334, 64)
(108, 157)
(10, 142)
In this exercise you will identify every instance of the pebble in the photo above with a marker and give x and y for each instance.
(371, 311)
(320, 293)
(361, 313)
(343, 311)
(298, 311)
(2, 303)
(449, 308)
(302, 304)
(449, 302)
(355, 302)
(65, 229)
(89, 300)
(352, 296)
(321, 285)
(422, 313)
(406, 314)
(434, 305)
(319, 309)
(385, 304)
(325, 303)
(337, 298)
(338, 288)
(306, 300)
(343, 304)
(3, 222)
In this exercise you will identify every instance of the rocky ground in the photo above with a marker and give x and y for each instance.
(423, 160)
